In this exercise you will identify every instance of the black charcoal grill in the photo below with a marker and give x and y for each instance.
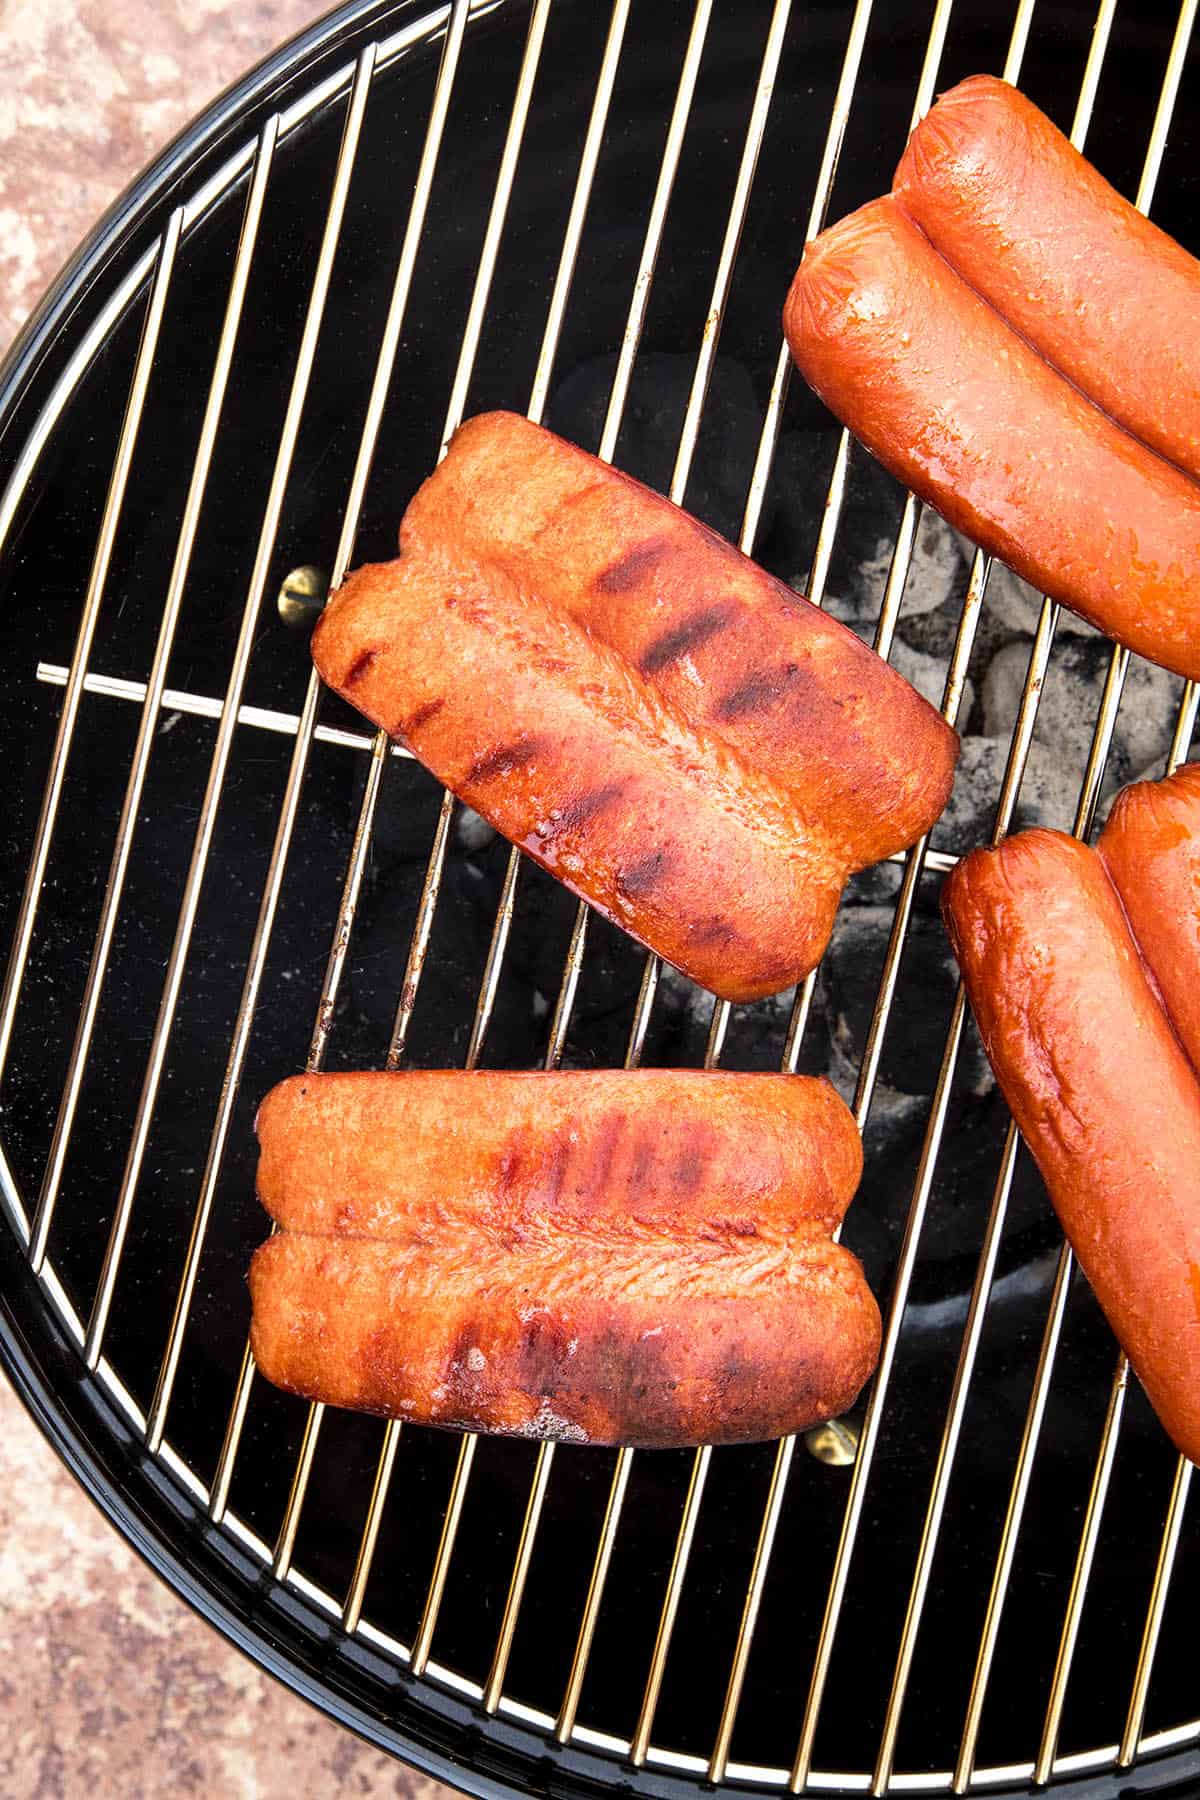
(986, 1578)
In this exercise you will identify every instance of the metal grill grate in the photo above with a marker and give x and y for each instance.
(608, 1514)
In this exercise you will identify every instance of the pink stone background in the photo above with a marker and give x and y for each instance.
(108, 1684)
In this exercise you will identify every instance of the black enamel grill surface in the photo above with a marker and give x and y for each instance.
(261, 1522)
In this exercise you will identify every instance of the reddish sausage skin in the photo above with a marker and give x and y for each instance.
(383, 1155)
(740, 655)
(966, 414)
(1103, 294)
(610, 1257)
(682, 741)
(1102, 1092)
(1151, 849)
(670, 1344)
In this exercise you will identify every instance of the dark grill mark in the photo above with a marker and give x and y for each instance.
(738, 1378)
(629, 569)
(422, 716)
(645, 1156)
(642, 876)
(501, 759)
(604, 1149)
(695, 630)
(552, 1174)
(719, 1231)
(580, 811)
(542, 1351)
(588, 488)
(511, 1170)
(714, 930)
(616, 1360)
(691, 1166)
(757, 693)
(359, 667)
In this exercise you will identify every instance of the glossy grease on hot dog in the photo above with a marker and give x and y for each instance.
(966, 414)
(1151, 848)
(1098, 290)
(1102, 1092)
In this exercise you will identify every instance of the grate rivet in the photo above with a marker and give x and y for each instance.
(302, 596)
(835, 1442)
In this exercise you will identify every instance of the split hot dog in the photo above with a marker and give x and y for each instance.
(632, 1258)
(955, 403)
(1104, 1096)
(1151, 849)
(382, 1155)
(678, 737)
(1103, 294)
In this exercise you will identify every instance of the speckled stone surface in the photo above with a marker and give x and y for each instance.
(89, 91)
(108, 1684)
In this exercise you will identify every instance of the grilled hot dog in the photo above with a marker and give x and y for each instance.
(382, 1155)
(678, 737)
(1151, 849)
(1103, 294)
(608, 1258)
(957, 405)
(1101, 1090)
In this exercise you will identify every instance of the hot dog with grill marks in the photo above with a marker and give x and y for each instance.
(1151, 849)
(740, 655)
(520, 1152)
(1103, 1094)
(707, 1343)
(681, 740)
(1103, 294)
(606, 1258)
(961, 409)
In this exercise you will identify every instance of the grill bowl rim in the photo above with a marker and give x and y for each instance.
(436, 1731)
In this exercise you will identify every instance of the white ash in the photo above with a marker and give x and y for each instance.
(891, 1112)
(1070, 704)
(928, 675)
(1015, 605)
(873, 886)
(937, 570)
(844, 608)
(1146, 722)
(471, 831)
(1048, 794)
